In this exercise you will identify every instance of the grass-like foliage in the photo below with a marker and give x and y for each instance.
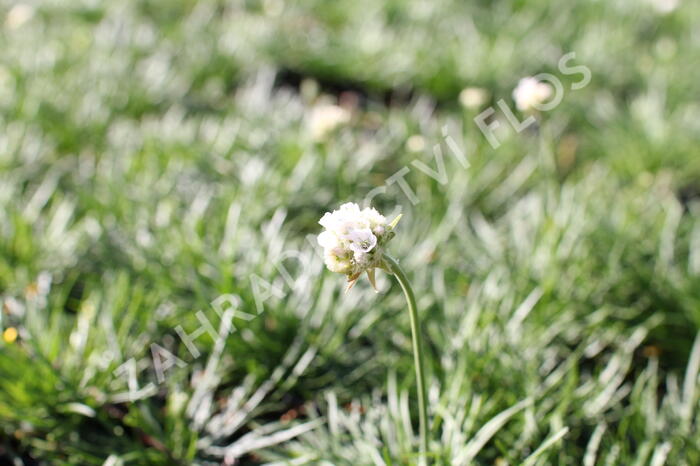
(162, 172)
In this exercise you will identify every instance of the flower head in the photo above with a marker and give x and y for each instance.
(18, 15)
(530, 93)
(353, 240)
(473, 97)
(665, 6)
(324, 118)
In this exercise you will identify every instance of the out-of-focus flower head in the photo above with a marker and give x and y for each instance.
(530, 93)
(353, 240)
(473, 97)
(324, 118)
(18, 15)
(665, 7)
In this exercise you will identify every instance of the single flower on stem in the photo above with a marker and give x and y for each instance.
(354, 242)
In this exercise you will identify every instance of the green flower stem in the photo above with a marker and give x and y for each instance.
(400, 275)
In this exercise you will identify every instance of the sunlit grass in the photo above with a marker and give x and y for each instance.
(153, 157)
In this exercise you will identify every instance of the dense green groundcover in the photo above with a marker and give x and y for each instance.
(160, 158)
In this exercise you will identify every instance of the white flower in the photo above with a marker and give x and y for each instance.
(377, 222)
(353, 240)
(361, 241)
(328, 240)
(324, 118)
(530, 93)
(337, 260)
(665, 6)
(18, 15)
(473, 97)
(415, 143)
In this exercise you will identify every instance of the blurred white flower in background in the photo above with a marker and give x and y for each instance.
(665, 6)
(18, 15)
(530, 93)
(353, 240)
(473, 98)
(415, 143)
(324, 118)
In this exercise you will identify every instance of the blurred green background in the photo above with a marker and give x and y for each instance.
(164, 157)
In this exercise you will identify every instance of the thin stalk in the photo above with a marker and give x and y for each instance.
(400, 275)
